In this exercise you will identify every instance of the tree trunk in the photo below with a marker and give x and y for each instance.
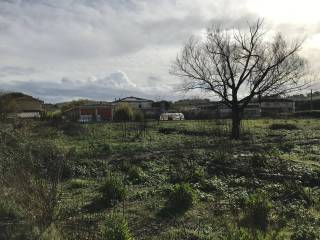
(236, 120)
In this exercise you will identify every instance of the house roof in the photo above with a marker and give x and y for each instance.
(92, 105)
(133, 99)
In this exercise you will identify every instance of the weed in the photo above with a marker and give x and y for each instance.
(136, 174)
(257, 211)
(181, 198)
(115, 228)
(113, 190)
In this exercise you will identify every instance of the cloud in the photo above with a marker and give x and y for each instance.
(114, 85)
(55, 42)
(116, 80)
(15, 70)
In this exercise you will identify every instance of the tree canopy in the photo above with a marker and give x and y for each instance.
(238, 65)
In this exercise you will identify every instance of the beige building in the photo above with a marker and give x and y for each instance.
(136, 103)
(141, 104)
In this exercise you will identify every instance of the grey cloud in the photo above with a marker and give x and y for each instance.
(88, 29)
(115, 85)
(15, 70)
(79, 38)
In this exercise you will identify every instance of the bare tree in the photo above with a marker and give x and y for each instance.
(238, 65)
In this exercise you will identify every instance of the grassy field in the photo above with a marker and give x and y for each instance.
(264, 186)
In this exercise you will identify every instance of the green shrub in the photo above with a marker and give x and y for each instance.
(283, 126)
(101, 150)
(113, 190)
(115, 228)
(286, 146)
(294, 191)
(167, 130)
(48, 161)
(51, 233)
(9, 211)
(123, 113)
(181, 198)
(304, 232)
(256, 212)
(138, 116)
(186, 169)
(213, 184)
(10, 215)
(88, 168)
(136, 174)
(258, 161)
(236, 233)
(184, 234)
(72, 129)
(198, 174)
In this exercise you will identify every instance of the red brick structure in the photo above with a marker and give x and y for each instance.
(91, 113)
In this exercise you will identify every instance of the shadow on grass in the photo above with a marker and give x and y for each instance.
(170, 212)
(97, 205)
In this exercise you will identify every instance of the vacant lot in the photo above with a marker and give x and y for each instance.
(169, 180)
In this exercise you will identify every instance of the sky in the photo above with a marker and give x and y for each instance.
(59, 50)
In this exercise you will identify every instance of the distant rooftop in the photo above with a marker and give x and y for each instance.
(133, 99)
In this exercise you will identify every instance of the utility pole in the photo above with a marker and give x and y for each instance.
(311, 99)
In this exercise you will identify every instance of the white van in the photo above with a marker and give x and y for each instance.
(171, 116)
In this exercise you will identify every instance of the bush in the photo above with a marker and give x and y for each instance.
(8, 210)
(123, 112)
(238, 234)
(305, 233)
(72, 129)
(48, 161)
(213, 184)
(294, 191)
(10, 217)
(186, 170)
(138, 116)
(256, 212)
(283, 126)
(113, 190)
(181, 198)
(235, 233)
(184, 234)
(89, 168)
(258, 161)
(115, 228)
(136, 174)
(101, 150)
(286, 146)
(167, 130)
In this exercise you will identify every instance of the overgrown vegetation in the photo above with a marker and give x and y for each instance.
(113, 190)
(173, 180)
